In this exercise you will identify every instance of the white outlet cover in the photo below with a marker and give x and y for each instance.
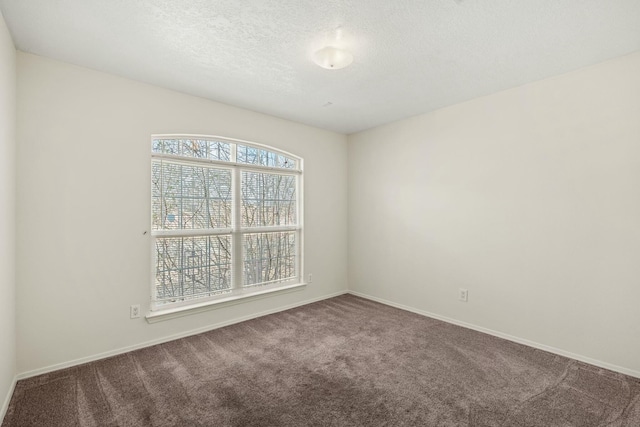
(135, 311)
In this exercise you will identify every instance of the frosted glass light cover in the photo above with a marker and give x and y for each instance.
(332, 58)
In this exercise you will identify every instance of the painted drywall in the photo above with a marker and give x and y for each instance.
(84, 204)
(529, 198)
(7, 214)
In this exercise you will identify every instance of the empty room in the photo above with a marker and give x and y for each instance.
(320, 213)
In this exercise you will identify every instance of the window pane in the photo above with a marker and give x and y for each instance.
(268, 158)
(248, 155)
(192, 267)
(268, 199)
(286, 163)
(166, 146)
(190, 197)
(269, 257)
(194, 148)
(256, 156)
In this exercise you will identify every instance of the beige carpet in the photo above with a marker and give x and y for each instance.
(340, 362)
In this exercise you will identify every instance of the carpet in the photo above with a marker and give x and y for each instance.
(345, 361)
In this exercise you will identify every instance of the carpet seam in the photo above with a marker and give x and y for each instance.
(517, 407)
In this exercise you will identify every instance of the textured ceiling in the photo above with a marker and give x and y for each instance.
(411, 56)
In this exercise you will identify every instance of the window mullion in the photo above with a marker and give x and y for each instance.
(300, 221)
(236, 255)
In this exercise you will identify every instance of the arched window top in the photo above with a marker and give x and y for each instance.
(224, 150)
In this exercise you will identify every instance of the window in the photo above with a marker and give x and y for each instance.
(226, 219)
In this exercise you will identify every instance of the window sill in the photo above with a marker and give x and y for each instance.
(172, 313)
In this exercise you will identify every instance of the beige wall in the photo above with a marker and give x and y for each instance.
(529, 198)
(7, 214)
(84, 200)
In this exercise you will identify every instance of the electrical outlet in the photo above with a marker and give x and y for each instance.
(310, 278)
(463, 295)
(135, 311)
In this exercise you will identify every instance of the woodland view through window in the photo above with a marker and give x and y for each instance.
(226, 219)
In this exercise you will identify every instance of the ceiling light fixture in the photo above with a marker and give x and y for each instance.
(332, 58)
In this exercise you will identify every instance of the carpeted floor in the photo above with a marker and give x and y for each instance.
(340, 362)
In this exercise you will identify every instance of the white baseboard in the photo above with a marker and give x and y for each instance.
(7, 399)
(207, 328)
(560, 352)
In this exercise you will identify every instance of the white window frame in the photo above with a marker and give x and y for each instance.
(237, 231)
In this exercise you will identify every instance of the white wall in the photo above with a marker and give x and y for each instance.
(7, 214)
(530, 198)
(84, 200)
